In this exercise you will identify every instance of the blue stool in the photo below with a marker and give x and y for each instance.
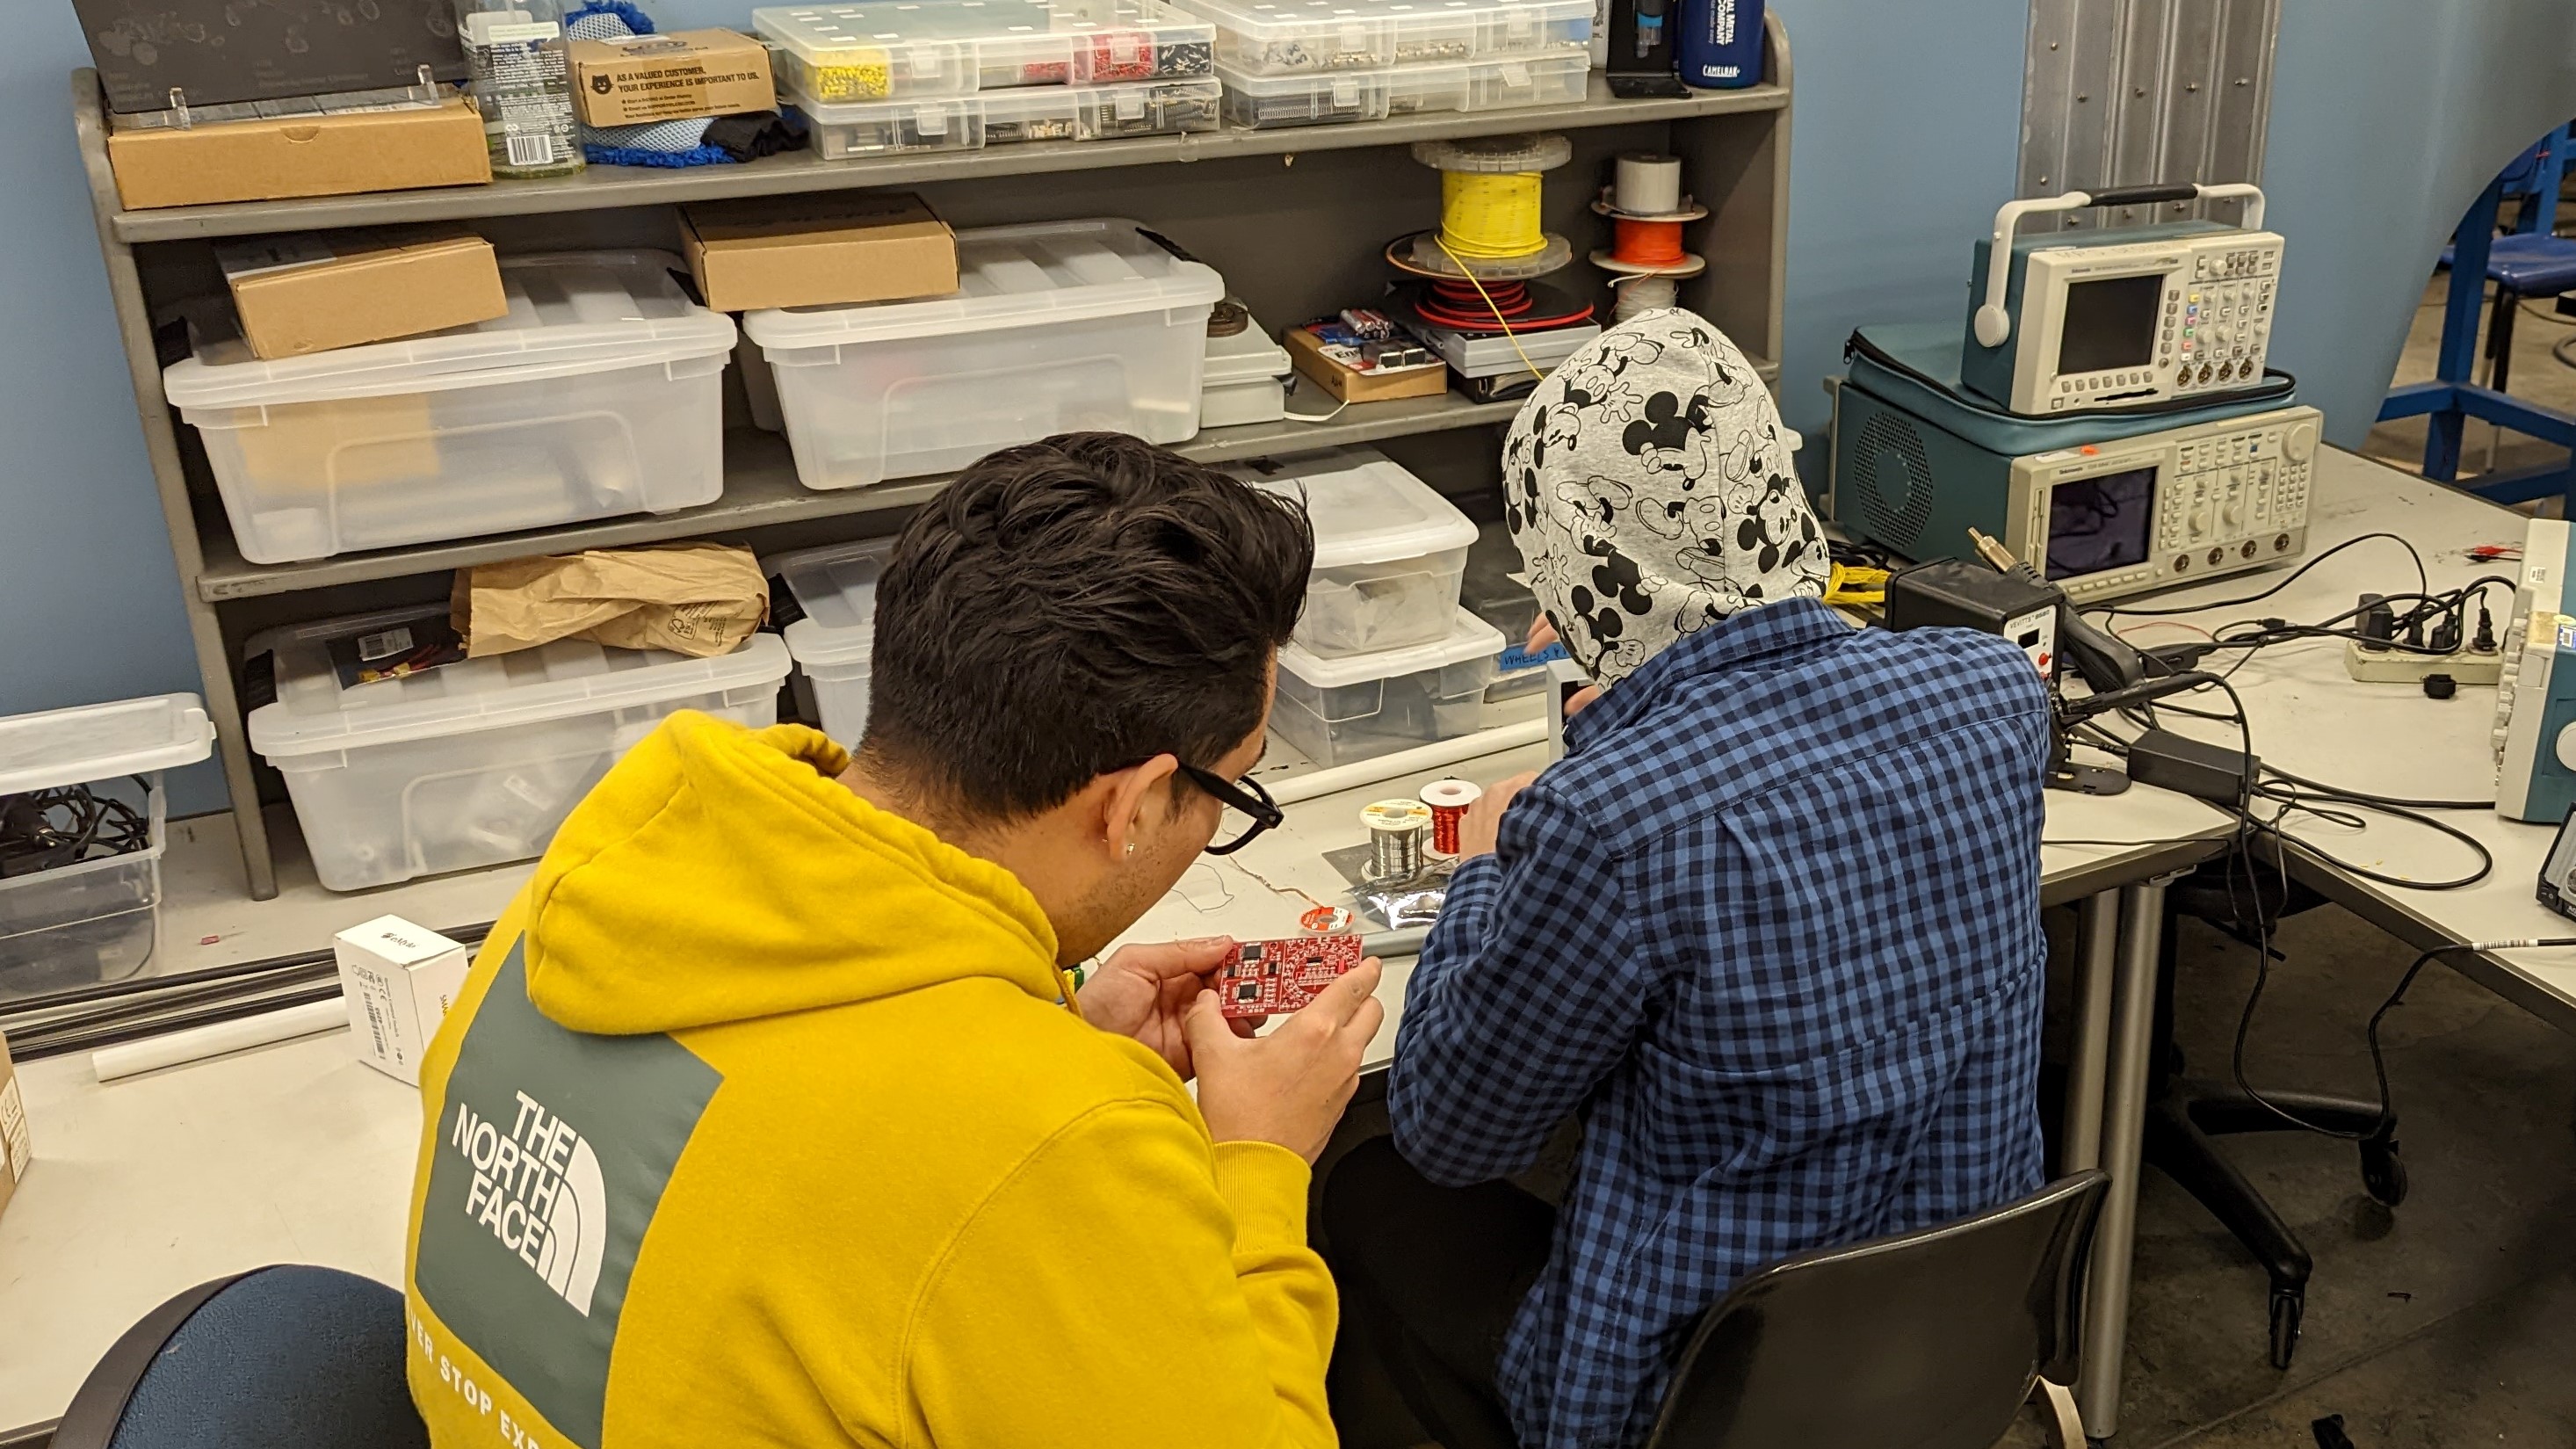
(2528, 263)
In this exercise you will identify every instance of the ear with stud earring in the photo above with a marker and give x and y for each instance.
(1131, 847)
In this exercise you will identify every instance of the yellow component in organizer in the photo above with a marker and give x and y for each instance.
(861, 73)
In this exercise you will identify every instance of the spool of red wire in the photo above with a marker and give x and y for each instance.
(1448, 800)
(1647, 243)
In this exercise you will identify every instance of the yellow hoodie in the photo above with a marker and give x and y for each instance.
(759, 1122)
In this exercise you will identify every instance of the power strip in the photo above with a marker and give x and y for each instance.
(2396, 666)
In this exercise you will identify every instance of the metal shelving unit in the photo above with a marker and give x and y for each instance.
(1292, 218)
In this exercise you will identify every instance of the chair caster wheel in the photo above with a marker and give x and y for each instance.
(2288, 1306)
(2383, 1172)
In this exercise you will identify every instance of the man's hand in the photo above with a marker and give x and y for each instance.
(1288, 1087)
(1543, 633)
(1145, 991)
(1485, 818)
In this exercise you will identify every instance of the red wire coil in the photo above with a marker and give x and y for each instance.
(1647, 243)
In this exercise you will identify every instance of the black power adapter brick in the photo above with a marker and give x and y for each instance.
(2217, 773)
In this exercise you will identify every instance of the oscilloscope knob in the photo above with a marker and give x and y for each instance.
(2301, 442)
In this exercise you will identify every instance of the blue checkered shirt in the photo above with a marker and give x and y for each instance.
(1772, 929)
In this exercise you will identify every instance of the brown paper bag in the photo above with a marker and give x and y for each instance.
(699, 599)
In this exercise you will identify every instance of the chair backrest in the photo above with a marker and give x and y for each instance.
(283, 1355)
(1929, 1340)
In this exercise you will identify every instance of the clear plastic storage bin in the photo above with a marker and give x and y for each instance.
(599, 393)
(1102, 112)
(1389, 552)
(1055, 327)
(1336, 711)
(1305, 37)
(1268, 102)
(1098, 42)
(1487, 85)
(472, 763)
(884, 128)
(93, 920)
(834, 645)
(840, 54)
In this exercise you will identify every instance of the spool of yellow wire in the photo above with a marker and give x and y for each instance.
(1490, 214)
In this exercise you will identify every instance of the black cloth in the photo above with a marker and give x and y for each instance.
(1430, 1278)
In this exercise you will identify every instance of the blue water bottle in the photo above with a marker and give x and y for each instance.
(1718, 43)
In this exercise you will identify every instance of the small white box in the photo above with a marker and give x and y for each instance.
(399, 980)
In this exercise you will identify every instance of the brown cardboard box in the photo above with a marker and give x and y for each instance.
(311, 293)
(640, 78)
(14, 1149)
(1354, 386)
(805, 251)
(290, 156)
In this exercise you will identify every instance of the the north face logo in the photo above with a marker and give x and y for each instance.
(537, 1188)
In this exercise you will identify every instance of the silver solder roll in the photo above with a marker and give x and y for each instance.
(1649, 184)
(1398, 831)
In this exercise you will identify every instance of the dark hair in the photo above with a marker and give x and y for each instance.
(1077, 606)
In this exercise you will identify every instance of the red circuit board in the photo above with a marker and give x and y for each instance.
(1273, 978)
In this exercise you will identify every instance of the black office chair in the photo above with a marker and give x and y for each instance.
(2185, 1113)
(1930, 1340)
(283, 1355)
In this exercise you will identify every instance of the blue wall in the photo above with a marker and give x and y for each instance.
(1904, 138)
(90, 601)
(2388, 118)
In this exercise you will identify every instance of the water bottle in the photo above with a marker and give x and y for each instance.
(1718, 43)
(517, 55)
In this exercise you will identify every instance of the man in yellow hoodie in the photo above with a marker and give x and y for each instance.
(765, 1117)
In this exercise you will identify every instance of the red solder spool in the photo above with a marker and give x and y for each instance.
(1448, 800)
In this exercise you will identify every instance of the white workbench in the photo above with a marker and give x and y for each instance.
(297, 1152)
(2310, 717)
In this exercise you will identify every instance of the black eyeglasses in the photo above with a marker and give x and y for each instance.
(1247, 799)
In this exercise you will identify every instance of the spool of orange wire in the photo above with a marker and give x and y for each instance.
(1647, 243)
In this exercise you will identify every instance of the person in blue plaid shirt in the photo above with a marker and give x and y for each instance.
(1770, 931)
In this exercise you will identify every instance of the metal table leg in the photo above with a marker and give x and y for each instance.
(2097, 944)
(2124, 1124)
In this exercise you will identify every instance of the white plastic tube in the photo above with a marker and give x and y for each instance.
(1409, 762)
(198, 1043)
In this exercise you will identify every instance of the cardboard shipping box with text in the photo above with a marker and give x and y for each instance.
(635, 79)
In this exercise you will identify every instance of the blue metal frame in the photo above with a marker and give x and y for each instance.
(2453, 397)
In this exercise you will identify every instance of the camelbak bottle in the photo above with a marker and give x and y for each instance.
(1718, 43)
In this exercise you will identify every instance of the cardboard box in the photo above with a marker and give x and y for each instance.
(639, 78)
(1316, 360)
(399, 979)
(311, 293)
(290, 156)
(15, 1151)
(804, 251)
